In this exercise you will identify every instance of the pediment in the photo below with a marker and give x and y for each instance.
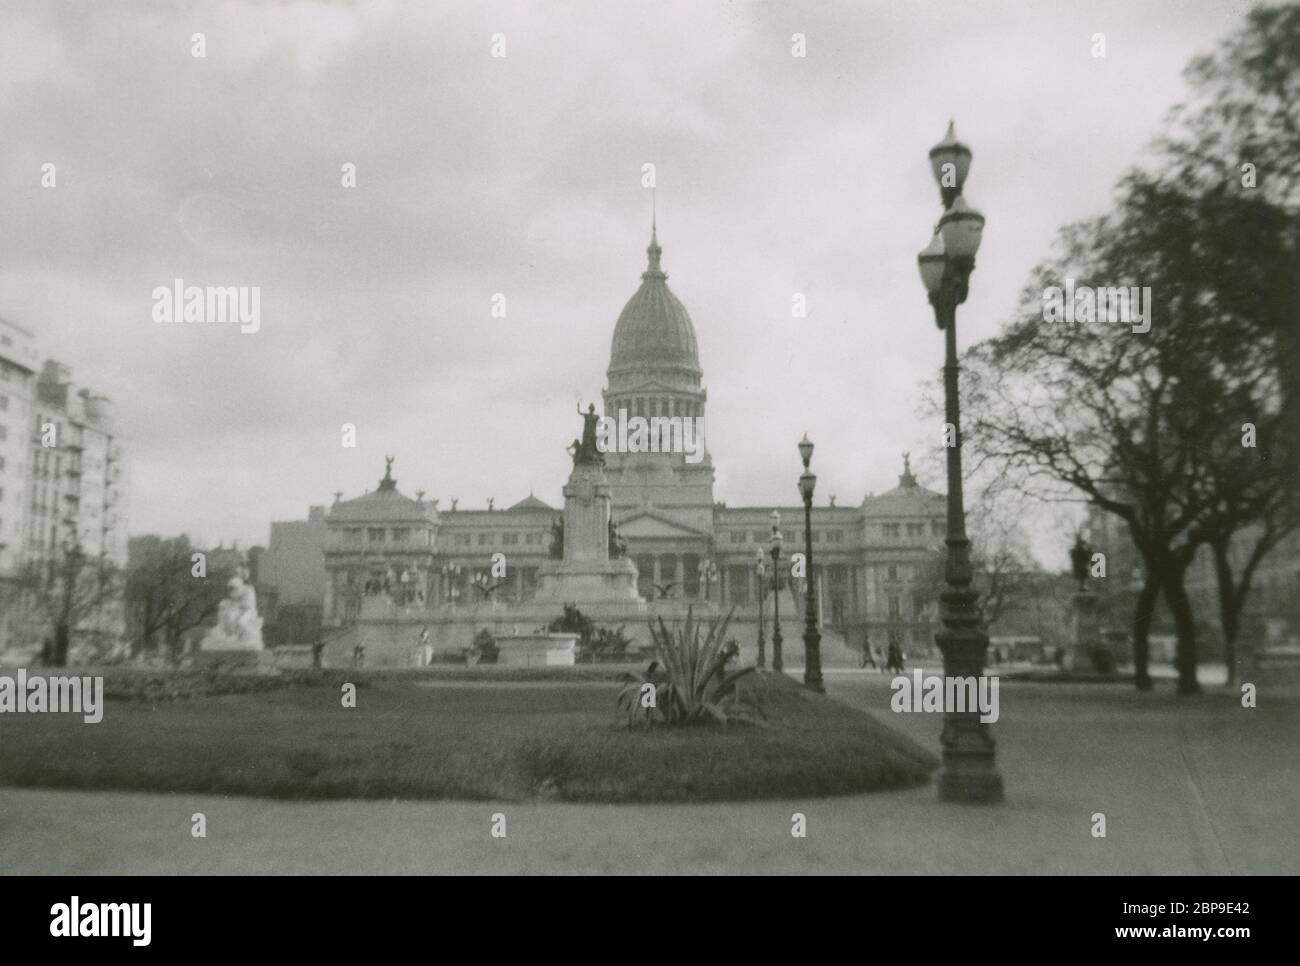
(649, 526)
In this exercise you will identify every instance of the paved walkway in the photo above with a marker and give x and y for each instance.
(1196, 785)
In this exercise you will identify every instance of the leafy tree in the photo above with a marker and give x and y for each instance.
(1149, 426)
(1236, 144)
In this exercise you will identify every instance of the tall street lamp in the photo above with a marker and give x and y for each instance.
(812, 638)
(760, 569)
(778, 664)
(451, 578)
(969, 772)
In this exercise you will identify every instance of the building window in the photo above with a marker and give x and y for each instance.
(834, 536)
(375, 534)
(891, 573)
(890, 529)
(484, 539)
(510, 539)
(401, 535)
(893, 608)
(532, 539)
(464, 539)
(936, 528)
(738, 536)
(916, 529)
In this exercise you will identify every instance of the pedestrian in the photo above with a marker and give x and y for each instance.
(868, 652)
(895, 654)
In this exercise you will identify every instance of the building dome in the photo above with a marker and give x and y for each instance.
(654, 329)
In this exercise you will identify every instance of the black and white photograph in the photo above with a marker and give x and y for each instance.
(663, 437)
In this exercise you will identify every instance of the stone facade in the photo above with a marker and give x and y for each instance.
(74, 496)
(18, 362)
(398, 566)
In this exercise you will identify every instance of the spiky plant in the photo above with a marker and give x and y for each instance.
(690, 683)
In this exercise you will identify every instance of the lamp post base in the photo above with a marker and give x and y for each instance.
(969, 771)
(974, 786)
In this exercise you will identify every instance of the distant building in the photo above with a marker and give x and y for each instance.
(77, 490)
(291, 580)
(18, 364)
(293, 563)
(396, 564)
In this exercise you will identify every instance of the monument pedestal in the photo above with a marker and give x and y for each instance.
(589, 582)
(586, 576)
(1085, 639)
(537, 650)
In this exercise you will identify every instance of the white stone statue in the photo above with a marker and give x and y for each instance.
(239, 628)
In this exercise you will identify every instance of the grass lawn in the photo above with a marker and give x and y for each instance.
(424, 737)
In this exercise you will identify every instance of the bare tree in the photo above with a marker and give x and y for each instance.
(166, 596)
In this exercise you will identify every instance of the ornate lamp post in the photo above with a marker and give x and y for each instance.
(760, 569)
(969, 772)
(450, 577)
(812, 638)
(778, 663)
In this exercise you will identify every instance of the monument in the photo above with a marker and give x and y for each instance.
(585, 573)
(237, 637)
(1086, 651)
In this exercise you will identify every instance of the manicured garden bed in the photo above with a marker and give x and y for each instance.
(290, 737)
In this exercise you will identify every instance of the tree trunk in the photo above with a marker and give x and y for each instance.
(173, 646)
(1142, 615)
(1185, 627)
(1229, 606)
(59, 652)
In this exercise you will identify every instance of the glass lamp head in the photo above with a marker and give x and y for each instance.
(962, 228)
(950, 163)
(931, 262)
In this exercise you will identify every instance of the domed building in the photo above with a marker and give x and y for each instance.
(401, 570)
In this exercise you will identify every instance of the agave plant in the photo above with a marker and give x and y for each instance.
(689, 681)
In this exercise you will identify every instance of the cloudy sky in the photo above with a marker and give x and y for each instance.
(521, 175)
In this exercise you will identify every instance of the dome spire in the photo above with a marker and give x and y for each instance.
(654, 251)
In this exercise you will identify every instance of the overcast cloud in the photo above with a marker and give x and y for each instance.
(521, 175)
